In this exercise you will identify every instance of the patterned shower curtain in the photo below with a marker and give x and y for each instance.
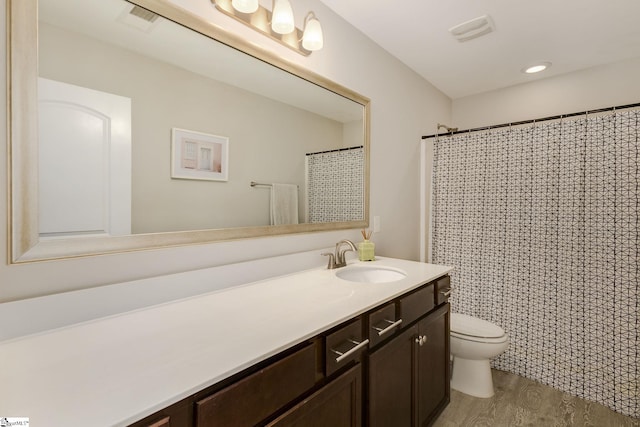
(335, 185)
(541, 225)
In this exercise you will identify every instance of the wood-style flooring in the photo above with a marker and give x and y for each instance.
(522, 402)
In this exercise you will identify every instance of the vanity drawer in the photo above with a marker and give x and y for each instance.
(254, 398)
(443, 289)
(344, 345)
(383, 324)
(414, 305)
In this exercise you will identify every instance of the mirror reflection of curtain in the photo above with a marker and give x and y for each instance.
(541, 225)
(335, 191)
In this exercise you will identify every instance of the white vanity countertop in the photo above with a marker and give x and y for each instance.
(119, 369)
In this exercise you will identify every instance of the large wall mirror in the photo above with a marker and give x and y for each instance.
(136, 125)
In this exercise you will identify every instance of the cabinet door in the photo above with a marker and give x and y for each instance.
(391, 375)
(433, 389)
(338, 404)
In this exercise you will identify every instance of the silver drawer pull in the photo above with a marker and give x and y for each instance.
(358, 346)
(392, 325)
(447, 293)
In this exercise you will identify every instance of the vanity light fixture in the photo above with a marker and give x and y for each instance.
(536, 68)
(278, 23)
(245, 6)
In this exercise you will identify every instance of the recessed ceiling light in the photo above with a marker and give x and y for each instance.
(536, 68)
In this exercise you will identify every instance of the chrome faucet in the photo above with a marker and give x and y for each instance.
(338, 260)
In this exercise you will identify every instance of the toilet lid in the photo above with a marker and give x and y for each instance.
(473, 327)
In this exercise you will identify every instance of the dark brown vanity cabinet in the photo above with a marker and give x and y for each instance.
(408, 376)
(344, 345)
(163, 422)
(386, 367)
(337, 404)
(443, 289)
(391, 383)
(249, 401)
(433, 368)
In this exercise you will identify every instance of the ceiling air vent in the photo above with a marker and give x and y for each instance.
(472, 29)
(139, 18)
(143, 14)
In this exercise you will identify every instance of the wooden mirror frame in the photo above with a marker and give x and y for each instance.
(25, 244)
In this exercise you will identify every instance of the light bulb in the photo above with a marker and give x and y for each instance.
(282, 17)
(312, 39)
(245, 6)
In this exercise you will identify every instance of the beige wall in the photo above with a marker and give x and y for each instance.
(265, 151)
(598, 87)
(403, 108)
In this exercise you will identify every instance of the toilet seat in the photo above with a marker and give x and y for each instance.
(471, 328)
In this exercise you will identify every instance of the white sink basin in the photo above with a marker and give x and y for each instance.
(370, 274)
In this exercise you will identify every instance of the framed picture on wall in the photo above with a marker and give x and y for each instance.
(197, 155)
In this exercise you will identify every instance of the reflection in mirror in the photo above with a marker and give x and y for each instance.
(116, 84)
(167, 76)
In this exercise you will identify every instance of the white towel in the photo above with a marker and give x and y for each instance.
(284, 204)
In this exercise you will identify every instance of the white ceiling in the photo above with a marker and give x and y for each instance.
(572, 34)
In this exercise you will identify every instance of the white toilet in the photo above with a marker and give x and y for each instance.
(473, 342)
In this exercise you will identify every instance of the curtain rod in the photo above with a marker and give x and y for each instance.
(337, 149)
(524, 122)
